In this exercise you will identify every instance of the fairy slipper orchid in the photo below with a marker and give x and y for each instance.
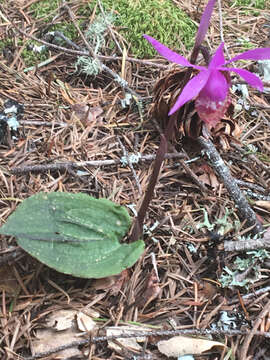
(210, 88)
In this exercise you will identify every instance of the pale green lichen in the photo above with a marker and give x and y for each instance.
(95, 37)
(235, 276)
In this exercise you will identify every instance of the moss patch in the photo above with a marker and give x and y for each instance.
(257, 4)
(44, 9)
(158, 18)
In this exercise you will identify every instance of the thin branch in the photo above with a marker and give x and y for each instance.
(246, 213)
(251, 186)
(252, 295)
(194, 177)
(198, 332)
(247, 244)
(64, 166)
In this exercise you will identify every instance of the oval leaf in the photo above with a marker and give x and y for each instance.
(75, 234)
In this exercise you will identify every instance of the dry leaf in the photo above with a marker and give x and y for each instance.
(119, 282)
(64, 327)
(208, 176)
(61, 319)
(263, 204)
(207, 290)
(150, 291)
(131, 343)
(113, 283)
(183, 345)
(87, 114)
(84, 322)
(48, 339)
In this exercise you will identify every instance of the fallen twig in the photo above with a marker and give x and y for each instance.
(199, 332)
(63, 166)
(245, 211)
(247, 244)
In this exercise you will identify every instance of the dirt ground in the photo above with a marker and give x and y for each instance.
(74, 131)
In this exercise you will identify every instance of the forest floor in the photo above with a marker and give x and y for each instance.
(74, 130)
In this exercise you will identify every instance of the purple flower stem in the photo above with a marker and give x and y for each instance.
(246, 213)
(137, 229)
(138, 224)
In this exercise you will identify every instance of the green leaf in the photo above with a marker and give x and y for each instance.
(75, 234)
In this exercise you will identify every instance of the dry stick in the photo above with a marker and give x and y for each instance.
(249, 296)
(246, 244)
(245, 211)
(251, 186)
(97, 339)
(195, 178)
(63, 166)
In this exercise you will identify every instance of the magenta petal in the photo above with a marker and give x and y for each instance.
(254, 54)
(169, 54)
(218, 58)
(248, 76)
(192, 89)
(204, 23)
(216, 88)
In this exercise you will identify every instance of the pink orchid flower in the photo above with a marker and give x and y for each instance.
(210, 87)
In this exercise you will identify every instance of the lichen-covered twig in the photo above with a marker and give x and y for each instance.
(154, 333)
(64, 166)
(245, 211)
(247, 244)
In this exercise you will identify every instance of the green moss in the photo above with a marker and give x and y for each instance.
(5, 43)
(246, 44)
(257, 4)
(68, 29)
(158, 18)
(31, 58)
(44, 9)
